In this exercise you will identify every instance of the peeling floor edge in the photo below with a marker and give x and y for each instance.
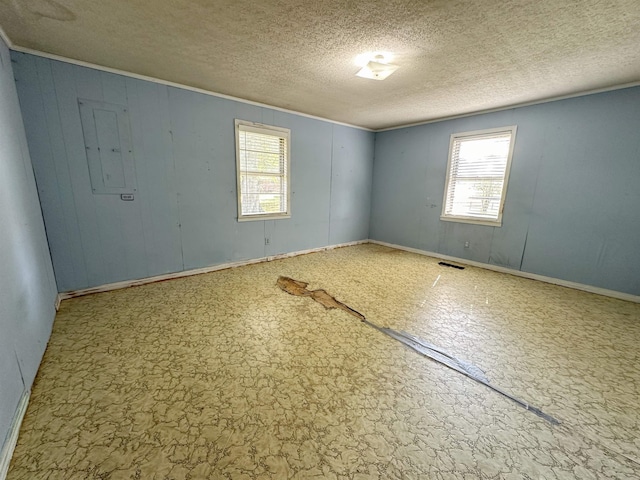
(223, 266)
(518, 273)
(198, 271)
(12, 436)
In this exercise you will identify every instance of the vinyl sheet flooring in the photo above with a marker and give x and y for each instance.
(224, 375)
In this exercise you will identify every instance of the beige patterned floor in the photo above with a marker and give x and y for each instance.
(225, 376)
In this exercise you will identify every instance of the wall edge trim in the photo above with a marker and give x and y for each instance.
(12, 436)
(168, 83)
(518, 273)
(541, 101)
(82, 63)
(197, 271)
(5, 38)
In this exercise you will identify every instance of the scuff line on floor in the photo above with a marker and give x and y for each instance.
(298, 288)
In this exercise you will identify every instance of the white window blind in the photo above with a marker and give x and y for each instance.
(477, 175)
(263, 171)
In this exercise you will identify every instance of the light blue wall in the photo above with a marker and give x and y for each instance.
(27, 285)
(572, 209)
(185, 209)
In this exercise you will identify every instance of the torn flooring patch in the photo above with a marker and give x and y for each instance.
(298, 288)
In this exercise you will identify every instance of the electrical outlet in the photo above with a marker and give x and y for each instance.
(466, 244)
(267, 241)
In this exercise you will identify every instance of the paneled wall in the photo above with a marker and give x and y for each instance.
(27, 285)
(572, 209)
(184, 212)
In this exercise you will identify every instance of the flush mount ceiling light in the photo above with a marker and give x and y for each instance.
(377, 68)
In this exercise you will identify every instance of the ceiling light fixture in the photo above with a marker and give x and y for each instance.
(377, 68)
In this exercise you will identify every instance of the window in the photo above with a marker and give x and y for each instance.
(477, 176)
(262, 158)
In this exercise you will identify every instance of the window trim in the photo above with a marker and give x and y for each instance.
(474, 220)
(266, 130)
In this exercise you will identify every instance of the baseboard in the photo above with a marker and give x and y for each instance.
(12, 437)
(223, 266)
(198, 271)
(57, 302)
(532, 276)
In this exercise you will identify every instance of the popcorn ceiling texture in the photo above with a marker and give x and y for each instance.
(224, 375)
(456, 57)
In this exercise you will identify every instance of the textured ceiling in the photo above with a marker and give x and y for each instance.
(455, 57)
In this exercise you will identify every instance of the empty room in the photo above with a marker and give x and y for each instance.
(336, 239)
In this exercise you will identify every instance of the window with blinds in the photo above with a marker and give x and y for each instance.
(477, 175)
(262, 157)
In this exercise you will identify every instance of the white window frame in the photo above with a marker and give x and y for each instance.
(469, 135)
(263, 130)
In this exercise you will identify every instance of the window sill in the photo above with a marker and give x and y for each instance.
(475, 221)
(253, 218)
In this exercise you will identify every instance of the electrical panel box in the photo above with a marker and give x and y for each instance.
(107, 141)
